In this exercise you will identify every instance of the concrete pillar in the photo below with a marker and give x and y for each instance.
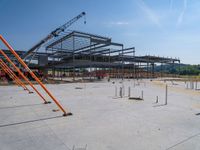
(166, 94)
(129, 91)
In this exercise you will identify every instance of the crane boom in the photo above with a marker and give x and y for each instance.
(54, 33)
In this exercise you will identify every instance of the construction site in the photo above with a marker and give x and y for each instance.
(75, 90)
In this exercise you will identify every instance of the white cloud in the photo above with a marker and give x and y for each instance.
(180, 18)
(117, 23)
(121, 23)
(149, 13)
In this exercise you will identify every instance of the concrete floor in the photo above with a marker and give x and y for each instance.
(101, 120)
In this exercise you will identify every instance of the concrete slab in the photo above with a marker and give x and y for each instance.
(101, 120)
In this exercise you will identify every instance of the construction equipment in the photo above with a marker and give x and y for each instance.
(23, 76)
(12, 75)
(66, 113)
(53, 34)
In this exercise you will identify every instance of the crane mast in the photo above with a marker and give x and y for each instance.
(53, 34)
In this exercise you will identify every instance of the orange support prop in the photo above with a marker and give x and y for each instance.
(10, 75)
(13, 76)
(34, 76)
(23, 76)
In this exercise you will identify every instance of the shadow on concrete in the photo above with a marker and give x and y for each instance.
(29, 121)
(159, 105)
(197, 114)
(9, 107)
(183, 141)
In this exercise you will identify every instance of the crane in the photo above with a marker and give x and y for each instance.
(53, 34)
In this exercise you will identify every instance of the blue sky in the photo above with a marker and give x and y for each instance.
(162, 28)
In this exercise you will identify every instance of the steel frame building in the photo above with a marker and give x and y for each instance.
(78, 51)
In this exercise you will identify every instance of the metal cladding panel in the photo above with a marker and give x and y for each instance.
(43, 60)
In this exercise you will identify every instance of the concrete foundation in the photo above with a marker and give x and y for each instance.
(99, 120)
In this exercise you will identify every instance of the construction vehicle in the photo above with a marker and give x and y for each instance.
(53, 34)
